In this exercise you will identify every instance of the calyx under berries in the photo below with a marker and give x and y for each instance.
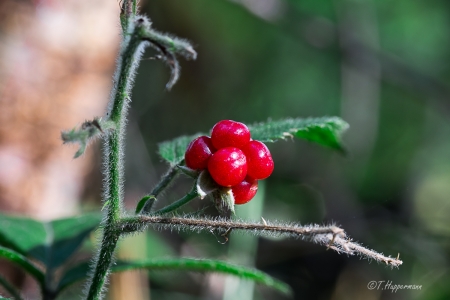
(232, 159)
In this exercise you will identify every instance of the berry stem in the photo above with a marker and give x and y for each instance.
(162, 184)
(177, 204)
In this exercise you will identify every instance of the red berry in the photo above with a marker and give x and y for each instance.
(245, 191)
(229, 133)
(228, 166)
(198, 153)
(259, 160)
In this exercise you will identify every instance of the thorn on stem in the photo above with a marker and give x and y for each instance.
(264, 221)
(97, 124)
(331, 241)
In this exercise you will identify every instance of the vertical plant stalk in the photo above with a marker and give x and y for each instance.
(128, 11)
(137, 34)
(131, 51)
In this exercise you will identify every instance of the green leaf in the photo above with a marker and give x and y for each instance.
(325, 131)
(23, 262)
(183, 264)
(73, 275)
(87, 131)
(173, 151)
(204, 265)
(144, 201)
(49, 242)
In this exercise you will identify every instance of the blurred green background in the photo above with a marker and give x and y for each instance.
(380, 65)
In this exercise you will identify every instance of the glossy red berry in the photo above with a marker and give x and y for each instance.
(198, 153)
(259, 160)
(228, 133)
(228, 166)
(245, 191)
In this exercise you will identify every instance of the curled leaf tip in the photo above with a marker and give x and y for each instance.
(87, 131)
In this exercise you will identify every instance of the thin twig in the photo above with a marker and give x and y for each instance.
(331, 236)
(140, 222)
(351, 248)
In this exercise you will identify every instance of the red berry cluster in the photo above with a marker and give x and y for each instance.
(232, 158)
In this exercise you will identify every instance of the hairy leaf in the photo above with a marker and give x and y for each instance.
(173, 151)
(325, 131)
(49, 242)
(23, 262)
(183, 264)
(87, 131)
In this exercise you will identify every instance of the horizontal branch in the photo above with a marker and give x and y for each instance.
(351, 248)
(140, 222)
(331, 236)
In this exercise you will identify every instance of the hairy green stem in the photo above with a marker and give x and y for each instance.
(128, 11)
(177, 204)
(163, 184)
(129, 59)
(136, 34)
(165, 181)
(104, 261)
(113, 148)
(134, 7)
